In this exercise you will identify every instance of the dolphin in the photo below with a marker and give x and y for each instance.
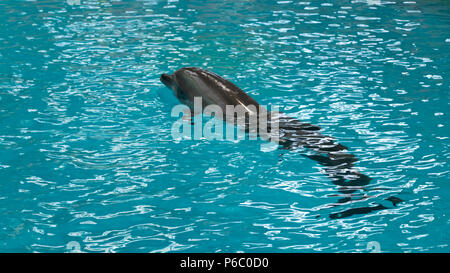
(190, 82)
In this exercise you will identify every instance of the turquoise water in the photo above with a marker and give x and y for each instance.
(87, 161)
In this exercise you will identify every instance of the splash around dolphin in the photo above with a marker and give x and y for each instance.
(190, 82)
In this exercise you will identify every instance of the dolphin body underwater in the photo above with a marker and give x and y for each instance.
(190, 82)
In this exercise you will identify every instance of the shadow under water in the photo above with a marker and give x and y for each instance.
(338, 162)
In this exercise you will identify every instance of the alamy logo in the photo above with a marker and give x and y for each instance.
(251, 121)
(73, 247)
(374, 247)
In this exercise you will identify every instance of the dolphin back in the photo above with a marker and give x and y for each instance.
(213, 88)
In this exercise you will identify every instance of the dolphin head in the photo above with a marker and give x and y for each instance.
(168, 80)
(171, 82)
(185, 83)
(187, 77)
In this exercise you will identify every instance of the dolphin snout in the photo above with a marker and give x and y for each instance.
(166, 79)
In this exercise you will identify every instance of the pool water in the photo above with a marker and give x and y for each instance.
(88, 163)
